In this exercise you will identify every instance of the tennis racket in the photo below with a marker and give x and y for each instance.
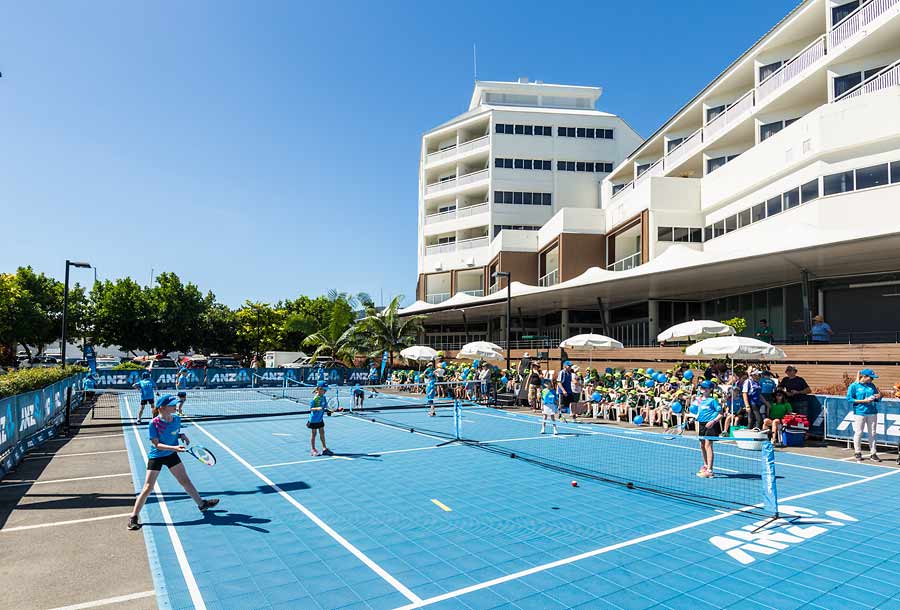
(202, 454)
(677, 430)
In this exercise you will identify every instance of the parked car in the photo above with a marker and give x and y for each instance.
(44, 362)
(223, 362)
(161, 363)
(310, 361)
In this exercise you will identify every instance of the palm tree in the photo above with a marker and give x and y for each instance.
(336, 340)
(387, 331)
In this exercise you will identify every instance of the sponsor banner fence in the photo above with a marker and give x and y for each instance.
(840, 423)
(233, 378)
(27, 420)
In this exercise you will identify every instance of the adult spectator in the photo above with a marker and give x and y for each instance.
(821, 331)
(796, 389)
(534, 382)
(767, 384)
(564, 386)
(863, 395)
(763, 331)
(753, 399)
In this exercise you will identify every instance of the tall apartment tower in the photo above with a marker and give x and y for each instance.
(513, 184)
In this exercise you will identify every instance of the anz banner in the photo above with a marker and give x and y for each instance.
(27, 420)
(840, 422)
(233, 378)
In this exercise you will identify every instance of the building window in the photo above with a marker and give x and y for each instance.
(707, 233)
(712, 113)
(529, 130)
(731, 224)
(498, 228)
(744, 218)
(809, 191)
(520, 130)
(589, 133)
(868, 177)
(580, 132)
(696, 235)
(606, 169)
(521, 198)
(791, 198)
(839, 13)
(770, 129)
(768, 70)
(758, 212)
(617, 187)
(838, 183)
(500, 128)
(773, 206)
(680, 234)
(579, 166)
(570, 166)
(664, 234)
(584, 132)
(895, 172)
(843, 84)
(642, 168)
(719, 229)
(498, 162)
(673, 144)
(714, 164)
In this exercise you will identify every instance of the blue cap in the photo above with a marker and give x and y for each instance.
(182, 394)
(707, 384)
(166, 400)
(567, 363)
(145, 375)
(321, 384)
(869, 373)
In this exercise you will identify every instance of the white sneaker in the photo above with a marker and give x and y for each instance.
(543, 431)
(555, 432)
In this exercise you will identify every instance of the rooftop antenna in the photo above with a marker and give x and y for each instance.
(475, 61)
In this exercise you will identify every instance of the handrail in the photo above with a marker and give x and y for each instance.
(792, 68)
(656, 168)
(471, 210)
(440, 216)
(624, 264)
(472, 176)
(868, 85)
(474, 242)
(680, 152)
(854, 22)
(736, 109)
(627, 186)
(549, 279)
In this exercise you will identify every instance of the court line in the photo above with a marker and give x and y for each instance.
(107, 601)
(441, 505)
(336, 457)
(84, 436)
(47, 456)
(188, 574)
(55, 523)
(400, 587)
(626, 543)
(36, 482)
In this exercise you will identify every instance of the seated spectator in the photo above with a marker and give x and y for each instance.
(795, 388)
(779, 407)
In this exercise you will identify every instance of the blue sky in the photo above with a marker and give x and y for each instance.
(264, 150)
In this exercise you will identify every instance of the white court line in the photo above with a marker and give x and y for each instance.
(626, 543)
(338, 457)
(48, 456)
(55, 523)
(315, 519)
(83, 437)
(107, 601)
(188, 574)
(36, 482)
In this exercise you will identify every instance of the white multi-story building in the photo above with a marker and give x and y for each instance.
(772, 194)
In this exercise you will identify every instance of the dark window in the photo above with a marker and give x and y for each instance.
(712, 113)
(589, 133)
(872, 72)
(768, 70)
(743, 218)
(838, 183)
(672, 144)
(579, 166)
(589, 167)
(580, 132)
(570, 131)
(758, 212)
(714, 164)
(510, 128)
(843, 84)
(548, 131)
(498, 196)
(839, 13)
(809, 191)
(498, 162)
(707, 233)
(680, 234)
(696, 235)
(561, 131)
(617, 187)
(528, 164)
(570, 166)
(548, 164)
(548, 199)
(731, 224)
(773, 206)
(518, 163)
(508, 163)
(664, 233)
(769, 130)
(526, 198)
(719, 229)
(517, 198)
(642, 168)
(895, 172)
(868, 177)
(500, 128)
(608, 134)
(789, 121)
(536, 198)
(520, 129)
(608, 168)
(529, 130)
(791, 198)
(561, 166)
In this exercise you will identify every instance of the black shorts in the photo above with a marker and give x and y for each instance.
(315, 425)
(146, 401)
(170, 460)
(565, 400)
(716, 429)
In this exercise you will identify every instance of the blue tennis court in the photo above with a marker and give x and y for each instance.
(396, 519)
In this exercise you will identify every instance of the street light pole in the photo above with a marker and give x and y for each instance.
(65, 313)
(508, 276)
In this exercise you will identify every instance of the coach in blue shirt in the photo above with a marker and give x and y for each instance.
(863, 396)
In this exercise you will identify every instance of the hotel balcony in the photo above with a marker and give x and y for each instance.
(468, 216)
(458, 246)
(476, 177)
(549, 279)
(458, 152)
(889, 77)
(624, 264)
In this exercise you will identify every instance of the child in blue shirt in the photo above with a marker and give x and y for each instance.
(709, 416)
(147, 387)
(164, 432)
(318, 408)
(549, 410)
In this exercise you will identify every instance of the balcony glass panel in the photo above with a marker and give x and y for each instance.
(773, 206)
(809, 191)
(869, 177)
(838, 183)
(792, 199)
(744, 218)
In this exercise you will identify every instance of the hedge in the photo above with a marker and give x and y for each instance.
(130, 366)
(27, 380)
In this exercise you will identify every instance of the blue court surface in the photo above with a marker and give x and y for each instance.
(396, 520)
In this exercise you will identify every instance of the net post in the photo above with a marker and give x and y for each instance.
(770, 491)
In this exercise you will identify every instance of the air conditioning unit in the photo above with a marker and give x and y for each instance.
(470, 262)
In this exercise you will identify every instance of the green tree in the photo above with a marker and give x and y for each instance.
(177, 310)
(259, 328)
(10, 297)
(387, 331)
(121, 315)
(218, 328)
(37, 317)
(336, 340)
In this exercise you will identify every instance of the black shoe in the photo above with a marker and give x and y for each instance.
(207, 504)
(134, 524)
(327, 452)
(859, 458)
(874, 457)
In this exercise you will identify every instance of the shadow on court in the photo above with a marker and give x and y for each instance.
(221, 517)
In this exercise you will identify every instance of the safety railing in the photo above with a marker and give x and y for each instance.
(792, 68)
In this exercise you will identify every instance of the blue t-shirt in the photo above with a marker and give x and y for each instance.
(146, 386)
(317, 407)
(358, 391)
(373, 373)
(861, 391)
(707, 409)
(767, 385)
(819, 332)
(549, 399)
(753, 391)
(166, 432)
(89, 383)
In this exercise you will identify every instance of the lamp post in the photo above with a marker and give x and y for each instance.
(508, 276)
(78, 265)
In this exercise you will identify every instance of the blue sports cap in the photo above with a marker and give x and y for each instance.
(145, 375)
(321, 384)
(567, 363)
(182, 394)
(869, 373)
(166, 400)
(707, 384)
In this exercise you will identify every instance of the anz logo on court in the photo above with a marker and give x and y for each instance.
(357, 376)
(767, 537)
(888, 423)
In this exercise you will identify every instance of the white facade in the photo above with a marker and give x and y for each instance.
(479, 183)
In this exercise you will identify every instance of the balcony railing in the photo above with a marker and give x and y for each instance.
(440, 217)
(857, 20)
(657, 169)
(443, 185)
(474, 293)
(440, 155)
(792, 68)
(624, 188)
(889, 77)
(454, 151)
(733, 114)
(473, 144)
(493, 288)
(471, 177)
(685, 149)
(624, 264)
(551, 279)
(437, 297)
(472, 210)
(441, 248)
(477, 242)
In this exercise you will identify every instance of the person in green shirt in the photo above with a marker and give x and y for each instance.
(779, 407)
(763, 331)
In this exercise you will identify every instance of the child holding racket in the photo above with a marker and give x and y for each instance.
(318, 407)
(164, 434)
(709, 415)
(147, 387)
(359, 396)
(550, 409)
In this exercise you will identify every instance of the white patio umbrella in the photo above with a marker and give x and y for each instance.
(591, 342)
(481, 345)
(419, 353)
(695, 330)
(479, 353)
(736, 348)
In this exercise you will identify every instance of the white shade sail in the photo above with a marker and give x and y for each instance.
(419, 353)
(736, 348)
(591, 341)
(694, 331)
(482, 345)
